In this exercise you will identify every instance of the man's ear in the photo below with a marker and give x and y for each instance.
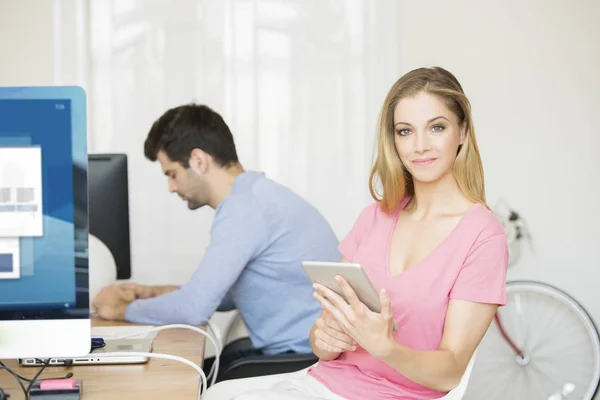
(199, 161)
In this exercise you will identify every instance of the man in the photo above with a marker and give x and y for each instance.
(260, 234)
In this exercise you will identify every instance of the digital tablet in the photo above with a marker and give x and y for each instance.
(325, 272)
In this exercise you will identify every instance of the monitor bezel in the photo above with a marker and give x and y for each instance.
(49, 332)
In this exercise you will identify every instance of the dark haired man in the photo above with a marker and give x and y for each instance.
(260, 234)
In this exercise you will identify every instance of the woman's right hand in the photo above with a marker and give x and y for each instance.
(329, 336)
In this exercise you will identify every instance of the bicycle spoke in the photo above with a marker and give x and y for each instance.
(561, 344)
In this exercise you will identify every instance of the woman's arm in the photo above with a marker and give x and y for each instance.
(474, 298)
(442, 369)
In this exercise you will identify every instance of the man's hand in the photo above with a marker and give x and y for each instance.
(112, 301)
(139, 291)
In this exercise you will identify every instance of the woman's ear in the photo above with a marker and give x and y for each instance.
(463, 133)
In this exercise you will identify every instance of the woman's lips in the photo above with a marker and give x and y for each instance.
(424, 161)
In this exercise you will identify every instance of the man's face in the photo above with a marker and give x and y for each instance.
(188, 184)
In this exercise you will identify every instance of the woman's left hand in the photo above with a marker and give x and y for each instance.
(371, 330)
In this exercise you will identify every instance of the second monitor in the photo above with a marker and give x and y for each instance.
(109, 207)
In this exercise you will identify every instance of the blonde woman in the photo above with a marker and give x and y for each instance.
(431, 247)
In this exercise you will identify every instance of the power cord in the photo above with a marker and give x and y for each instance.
(213, 371)
(31, 381)
(2, 366)
(201, 388)
(218, 350)
(46, 363)
(19, 381)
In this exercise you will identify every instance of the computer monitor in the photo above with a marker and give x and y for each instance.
(44, 306)
(109, 207)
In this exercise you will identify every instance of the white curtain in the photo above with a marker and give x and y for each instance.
(300, 84)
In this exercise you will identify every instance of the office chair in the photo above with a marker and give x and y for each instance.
(102, 266)
(260, 365)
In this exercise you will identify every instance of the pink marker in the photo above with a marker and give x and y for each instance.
(58, 384)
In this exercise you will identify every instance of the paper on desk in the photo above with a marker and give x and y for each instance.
(113, 332)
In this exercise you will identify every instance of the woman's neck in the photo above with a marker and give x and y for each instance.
(441, 197)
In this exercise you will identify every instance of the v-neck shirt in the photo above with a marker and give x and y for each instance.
(469, 264)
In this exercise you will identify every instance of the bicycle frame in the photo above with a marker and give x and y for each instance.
(510, 342)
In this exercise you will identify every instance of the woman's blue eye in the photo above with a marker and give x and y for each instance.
(403, 132)
(438, 128)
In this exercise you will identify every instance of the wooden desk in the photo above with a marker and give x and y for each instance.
(158, 379)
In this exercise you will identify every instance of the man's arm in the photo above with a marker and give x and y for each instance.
(238, 235)
(145, 291)
(163, 289)
(227, 304)
(148, 292)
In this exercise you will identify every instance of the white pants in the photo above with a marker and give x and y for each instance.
(296, 386)
(292, 386)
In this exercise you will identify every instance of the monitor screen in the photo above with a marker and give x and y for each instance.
(43, 210)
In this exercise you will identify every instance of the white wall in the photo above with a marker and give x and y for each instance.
(531, 72)
(44, 43)
(299, 83)
(294, 80)
(27, 53)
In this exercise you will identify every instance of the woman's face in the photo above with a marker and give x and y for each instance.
(427, 136)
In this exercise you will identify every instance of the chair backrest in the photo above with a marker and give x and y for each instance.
(102, 266)
(458, 392)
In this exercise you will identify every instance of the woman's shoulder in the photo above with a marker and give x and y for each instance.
(371, 216)
(484, 223)
(374, 212)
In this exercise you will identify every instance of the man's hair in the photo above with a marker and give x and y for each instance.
(185, 128)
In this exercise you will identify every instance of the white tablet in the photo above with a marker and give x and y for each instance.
(325, 272)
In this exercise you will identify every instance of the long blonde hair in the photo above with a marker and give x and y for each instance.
(396, 182)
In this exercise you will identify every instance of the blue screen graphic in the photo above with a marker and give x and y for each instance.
(47, 262)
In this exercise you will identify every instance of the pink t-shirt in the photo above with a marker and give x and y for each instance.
(470, 264)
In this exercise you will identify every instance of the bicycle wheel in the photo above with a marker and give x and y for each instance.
(559, 344)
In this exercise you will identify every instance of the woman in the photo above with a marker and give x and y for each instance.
(430, 245)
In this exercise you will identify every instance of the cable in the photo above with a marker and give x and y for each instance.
(201, 388)
(10, 371)
(217, 334)
(218, 351)
(46, 363)
(20, 378)
(215, 368)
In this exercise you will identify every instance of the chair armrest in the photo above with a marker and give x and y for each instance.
(267, 365)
